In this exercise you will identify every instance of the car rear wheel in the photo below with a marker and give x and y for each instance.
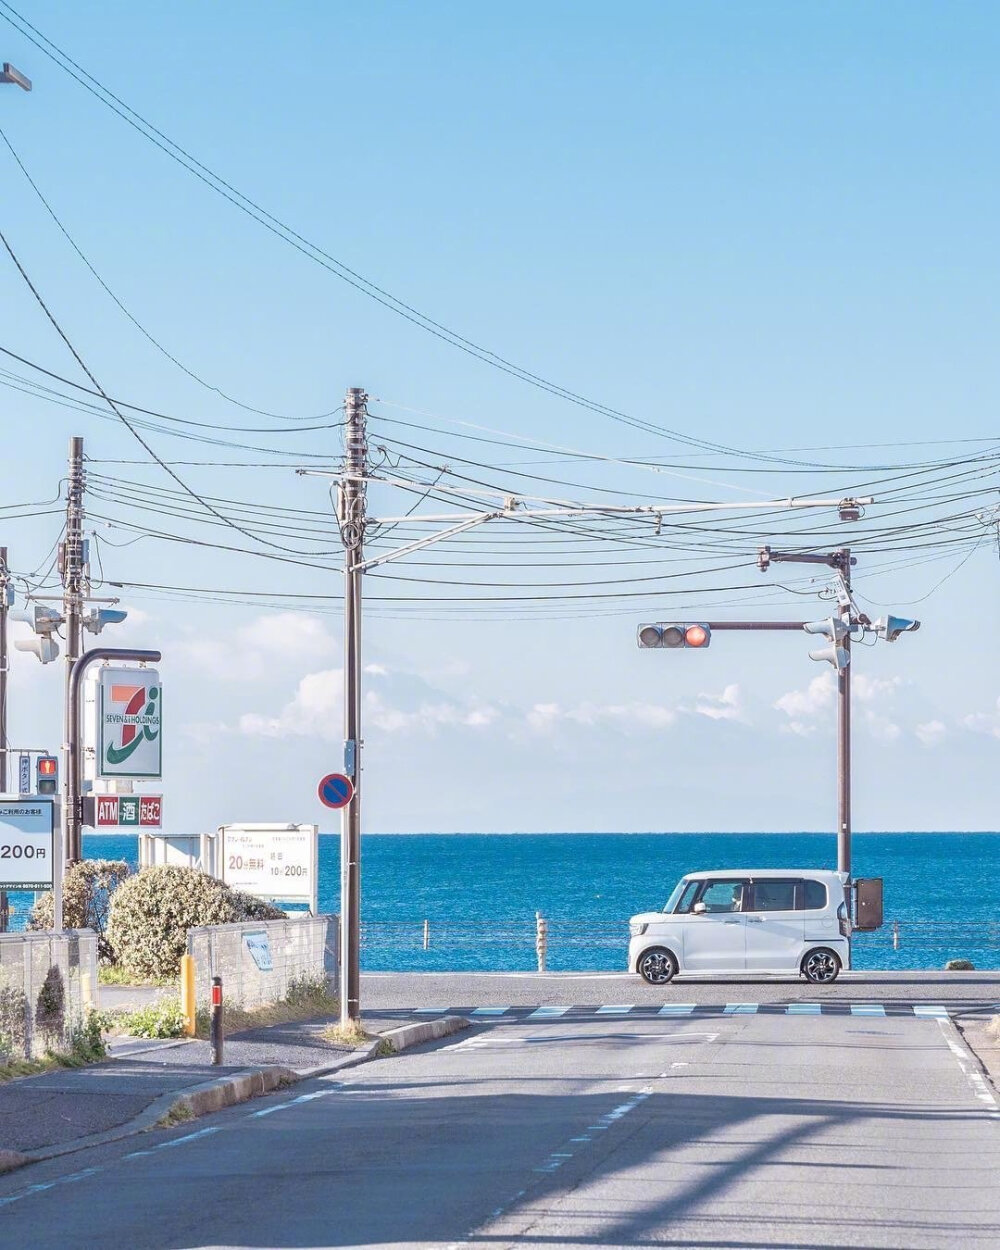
(657, 966)
(821, 966)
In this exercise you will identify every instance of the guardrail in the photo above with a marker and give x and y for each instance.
(563, 941)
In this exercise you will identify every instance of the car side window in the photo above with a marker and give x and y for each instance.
(723, 896)
(813, 895)
(686, 900)
(773, 896)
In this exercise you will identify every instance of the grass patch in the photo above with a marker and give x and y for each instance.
(351, 1035)
(159, 1019)
(87, 1046)
(112, 974)
(179, 1113)
(305, 1001)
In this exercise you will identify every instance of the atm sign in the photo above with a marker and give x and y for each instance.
(144, 811)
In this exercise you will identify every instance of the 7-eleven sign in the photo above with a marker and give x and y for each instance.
(129, 723)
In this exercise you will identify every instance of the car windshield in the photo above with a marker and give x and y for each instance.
(678, 889)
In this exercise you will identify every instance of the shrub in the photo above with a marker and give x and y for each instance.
(960, 965)
(87, 890)
(160, 1019)
(50, 1009)
(152, 911)
(13, 1010)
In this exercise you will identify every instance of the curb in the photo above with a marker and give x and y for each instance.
(426, 1031)
(239, 1087)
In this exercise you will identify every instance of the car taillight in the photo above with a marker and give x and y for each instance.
(844, 920)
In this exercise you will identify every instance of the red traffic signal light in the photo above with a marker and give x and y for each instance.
(675, 634)
(46, 774)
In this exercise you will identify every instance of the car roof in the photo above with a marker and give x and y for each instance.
(763, 874)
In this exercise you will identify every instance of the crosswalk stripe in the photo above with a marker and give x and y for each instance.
(676, 1009)
(490, 1011)
(547, 1013)
(867, 1009)
(803, 1009)
(615, 1011)
(740, 1009)
(431, 1011)
(930, 1010)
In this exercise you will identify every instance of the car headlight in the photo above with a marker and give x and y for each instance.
(636, 929)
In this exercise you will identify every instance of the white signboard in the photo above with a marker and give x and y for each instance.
(27, 845)
(24, 774)
(275, 862)
(129, 723)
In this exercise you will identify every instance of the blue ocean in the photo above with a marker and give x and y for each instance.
(478, 894)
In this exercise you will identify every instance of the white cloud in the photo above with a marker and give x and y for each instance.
(931, 732)
(315, 711)
(984, 722)
(874, 689)
(804, 707)
(256, 649)
(881, 726)
(726, 706)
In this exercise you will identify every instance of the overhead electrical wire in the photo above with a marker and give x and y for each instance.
(314, 252)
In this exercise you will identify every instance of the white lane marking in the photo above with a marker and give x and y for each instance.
(558, 1157)
(803, 1009)
(980, 1087)
(867, 1009)
(430, 1011)
(490, 1011)
(929, 1011)
(84, 1173)
(615, 1010)
(740, 1009)
(677, 1009)
(180, 1141)
(320, 1093)
(547, 1013)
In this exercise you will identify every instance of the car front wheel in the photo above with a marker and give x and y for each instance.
(657, 966)
(821, 967)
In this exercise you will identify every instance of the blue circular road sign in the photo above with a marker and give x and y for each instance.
(335, 790)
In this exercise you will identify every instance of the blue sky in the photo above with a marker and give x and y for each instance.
(770, 226)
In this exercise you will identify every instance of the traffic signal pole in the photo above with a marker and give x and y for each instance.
(351, 515)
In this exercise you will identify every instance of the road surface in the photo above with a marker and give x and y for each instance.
(792, 1130)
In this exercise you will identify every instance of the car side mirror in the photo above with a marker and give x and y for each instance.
(699, 909)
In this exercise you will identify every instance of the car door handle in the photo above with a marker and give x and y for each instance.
(755, 919)
(730, 922)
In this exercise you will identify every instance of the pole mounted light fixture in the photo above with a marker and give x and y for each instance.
(14, 76)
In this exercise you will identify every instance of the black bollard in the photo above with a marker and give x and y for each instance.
(216, 1025)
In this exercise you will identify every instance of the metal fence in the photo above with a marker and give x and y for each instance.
(260, 961)
(48, 982)
(573, 945)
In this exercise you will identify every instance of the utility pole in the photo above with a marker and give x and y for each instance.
(74, 591)
(843, 567)
(351, 505)
(5, 585)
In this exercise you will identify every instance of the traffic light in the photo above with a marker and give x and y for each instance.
(43, 621)
(675, 634)
(97, 618)
(46, 774)
(890, 627)
(836, 631)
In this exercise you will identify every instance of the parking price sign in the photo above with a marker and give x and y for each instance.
(27, 844)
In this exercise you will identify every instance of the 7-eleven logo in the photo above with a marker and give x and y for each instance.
(138, 718)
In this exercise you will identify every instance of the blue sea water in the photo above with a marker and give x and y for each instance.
(480, 892)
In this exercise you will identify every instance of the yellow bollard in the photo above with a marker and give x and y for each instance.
(188, 1005)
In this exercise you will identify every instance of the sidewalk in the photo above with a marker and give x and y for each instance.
(72, 1108)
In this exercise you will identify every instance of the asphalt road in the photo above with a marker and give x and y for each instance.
(741, 1131)
(394, 991)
